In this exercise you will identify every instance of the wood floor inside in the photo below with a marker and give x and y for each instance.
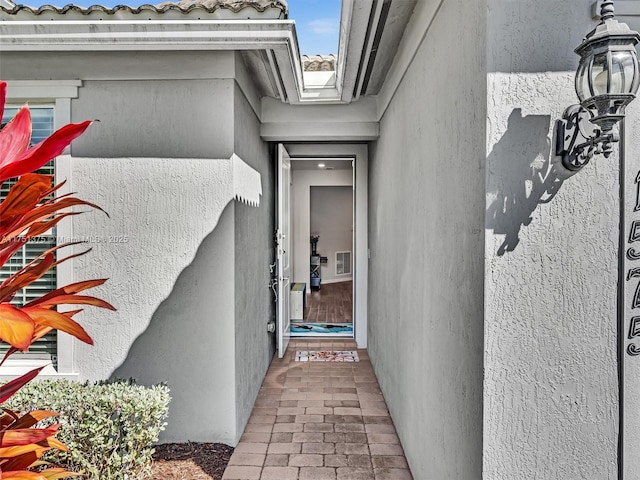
(332, 303)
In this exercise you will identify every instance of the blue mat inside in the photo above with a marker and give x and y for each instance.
(324, 328)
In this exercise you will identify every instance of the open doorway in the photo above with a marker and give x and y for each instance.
(322, 220)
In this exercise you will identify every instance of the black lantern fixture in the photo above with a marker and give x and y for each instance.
(606, 82)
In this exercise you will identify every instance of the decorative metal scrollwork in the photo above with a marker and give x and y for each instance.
(578, 140)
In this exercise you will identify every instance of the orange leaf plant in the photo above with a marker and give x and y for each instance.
(30, 209)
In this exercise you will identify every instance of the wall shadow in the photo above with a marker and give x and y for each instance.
(522, 174)
(188, 343)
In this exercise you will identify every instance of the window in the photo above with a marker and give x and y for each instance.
(46, 347)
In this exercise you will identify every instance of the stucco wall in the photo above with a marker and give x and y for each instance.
(550, 399)
(332, 219)
(173, 279)
(156, 118)
(426, 194)
(175, 318)
(254, 252)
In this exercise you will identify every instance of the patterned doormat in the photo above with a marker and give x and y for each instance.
(327, 356)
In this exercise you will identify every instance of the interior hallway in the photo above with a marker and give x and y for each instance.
(332, 303)
(319, 421)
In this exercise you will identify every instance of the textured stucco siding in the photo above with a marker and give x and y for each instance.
(167, 250)
(172, 279)
(426, 194)
(156, 118)
(254, 252)
(551, 389)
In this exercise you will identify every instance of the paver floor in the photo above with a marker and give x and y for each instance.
(317, 421)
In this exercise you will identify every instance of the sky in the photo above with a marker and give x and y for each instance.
(317, 25)
(317, 21)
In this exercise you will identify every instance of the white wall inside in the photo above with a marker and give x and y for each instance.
(332, 219)
(302, 181)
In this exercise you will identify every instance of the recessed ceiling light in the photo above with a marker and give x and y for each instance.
(321, 165)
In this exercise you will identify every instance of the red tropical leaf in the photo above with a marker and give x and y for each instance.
(31, 418)
(74, 300)
(36, 156)
(22, 475)
(25, 194)
(15, 138)
(25, 436)
(42, 212)
(39, 332)
(53, 442)
(41, 227)
(55, 473)
(58, 321)
(8, 389)
(16, 328)
(54, 189)
(68, 290)
(42, 254)
(28, 458)
(38, 448)
(24, 277)
(8, 417)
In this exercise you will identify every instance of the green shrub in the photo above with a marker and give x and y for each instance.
(109, 427)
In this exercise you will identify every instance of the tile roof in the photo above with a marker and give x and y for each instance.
(319, 63)
(228, 8)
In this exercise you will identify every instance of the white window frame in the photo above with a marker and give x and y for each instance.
(59, 94)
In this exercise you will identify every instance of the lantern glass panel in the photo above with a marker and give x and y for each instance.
(636, 73)
(582, 79)
(600, 74)
(622, 72)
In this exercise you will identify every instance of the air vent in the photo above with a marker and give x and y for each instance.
(343, 263)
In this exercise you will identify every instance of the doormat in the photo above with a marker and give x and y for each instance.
(327, 356)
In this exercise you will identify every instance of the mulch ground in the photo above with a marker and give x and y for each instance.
(190, 461)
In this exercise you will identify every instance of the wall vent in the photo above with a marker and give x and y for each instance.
(343, 263)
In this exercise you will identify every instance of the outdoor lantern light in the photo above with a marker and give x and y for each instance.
(606, 82)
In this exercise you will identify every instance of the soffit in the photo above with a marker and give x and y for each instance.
(370, 34)
(395, 23)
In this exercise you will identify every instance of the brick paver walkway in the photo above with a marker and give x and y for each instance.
(319, 421)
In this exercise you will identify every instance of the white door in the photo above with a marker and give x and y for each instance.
(283, 247)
